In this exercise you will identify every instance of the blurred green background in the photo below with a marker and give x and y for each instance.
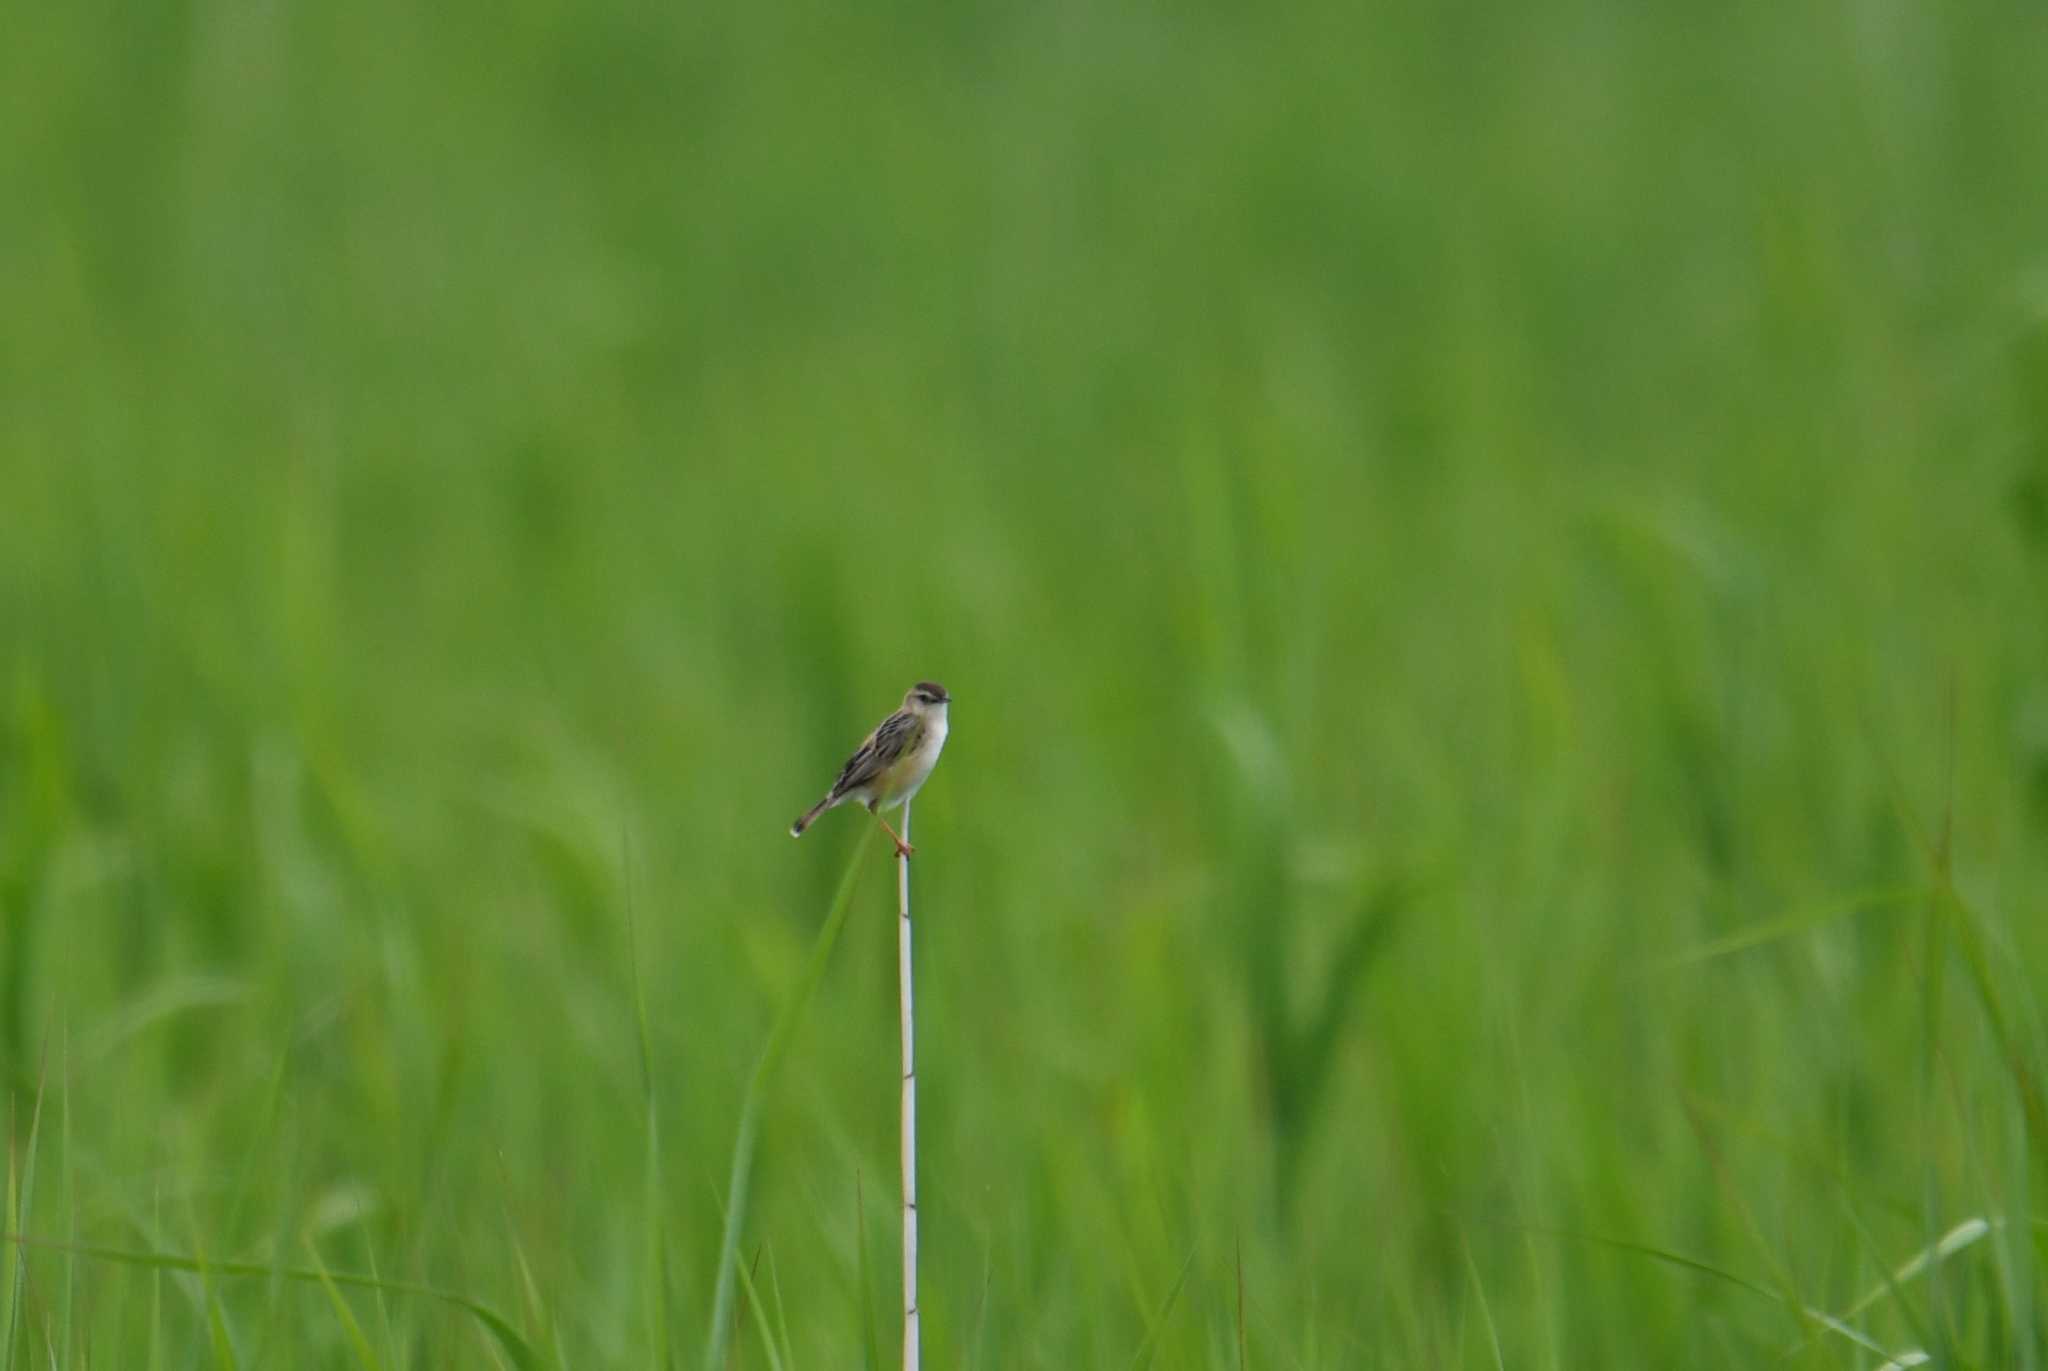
(1491, 560)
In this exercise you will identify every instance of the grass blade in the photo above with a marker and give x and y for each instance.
(156, 1292)
(19, 1203)
(538, 1316)
(979, 1346)
(1965, 1234)
(1485, 1309)
(1693, 1264)
(781, 1318)
(516, 1349)
(871, 1347)
(765, 1069)
(1775, 930)
(654, 1239)
(1970, 941)
(66, 1151)
(760, 1317)
(217, 1334)
(10, 1278)
(1150, 1347)
(365, 1354)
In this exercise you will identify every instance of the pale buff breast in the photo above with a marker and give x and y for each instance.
(902, 780)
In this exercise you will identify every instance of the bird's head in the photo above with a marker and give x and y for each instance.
(927, 697)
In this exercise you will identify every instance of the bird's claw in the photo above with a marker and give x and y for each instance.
(904, 850)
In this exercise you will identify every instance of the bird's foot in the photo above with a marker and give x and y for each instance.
(904, 849)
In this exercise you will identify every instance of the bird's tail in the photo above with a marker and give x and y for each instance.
(796, 830)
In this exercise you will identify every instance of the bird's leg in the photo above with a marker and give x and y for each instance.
(903, 849)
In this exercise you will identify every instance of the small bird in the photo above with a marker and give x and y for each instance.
(891, 763)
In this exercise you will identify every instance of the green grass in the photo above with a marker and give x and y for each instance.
(1491, 561)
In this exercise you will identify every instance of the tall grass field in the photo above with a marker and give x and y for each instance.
(1492, 563)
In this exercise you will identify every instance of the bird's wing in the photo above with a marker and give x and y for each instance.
(893, 739)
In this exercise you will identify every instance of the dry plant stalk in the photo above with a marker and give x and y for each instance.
(910, 1328)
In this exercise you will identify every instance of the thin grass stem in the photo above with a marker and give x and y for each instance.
(910, 1315)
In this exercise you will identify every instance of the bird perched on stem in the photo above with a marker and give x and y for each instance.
(891, 762)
